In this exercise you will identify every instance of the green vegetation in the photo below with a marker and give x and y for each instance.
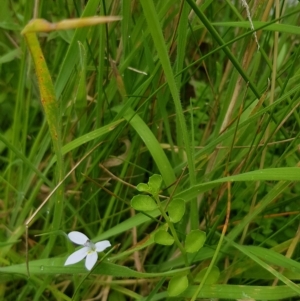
(170, 130)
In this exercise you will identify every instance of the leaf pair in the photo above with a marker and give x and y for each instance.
(141, 202)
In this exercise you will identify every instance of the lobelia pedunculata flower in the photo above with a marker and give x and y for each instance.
(90, 250)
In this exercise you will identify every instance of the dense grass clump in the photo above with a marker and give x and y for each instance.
(169, 129)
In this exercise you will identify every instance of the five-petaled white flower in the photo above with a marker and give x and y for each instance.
(89, 249)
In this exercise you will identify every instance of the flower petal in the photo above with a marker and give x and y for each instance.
(91, 259)
(78, 237)
(102, 245)
(77, 256)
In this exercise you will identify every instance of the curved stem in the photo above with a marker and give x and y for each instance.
(172, 228)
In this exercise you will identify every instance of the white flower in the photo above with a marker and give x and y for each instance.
(89, 249)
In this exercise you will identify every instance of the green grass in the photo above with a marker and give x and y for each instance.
(177, 89)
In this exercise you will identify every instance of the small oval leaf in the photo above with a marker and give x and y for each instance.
(177, 285)
(212, 277)
(143, 187)
(194, 241)
(176, 210)
(155, 183)
(163, 238)
(143, 203)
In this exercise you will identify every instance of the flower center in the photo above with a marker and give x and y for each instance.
(90, 245)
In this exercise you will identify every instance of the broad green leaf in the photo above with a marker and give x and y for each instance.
(10, 26)
(212, 277)
(143, 203)
(9, 56)
(194, 241)
(274, 258)
(163, 238)
(177, 285)
(259, 273)
(96, 134)
(176, 210)
(142, 187)
(267, 267)
(53, 266)
(155, 183)
(269, 174)
(233, 292)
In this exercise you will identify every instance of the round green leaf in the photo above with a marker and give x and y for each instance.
(163, 238)
(194, 241)
(143, 203)
(212, 277)
(176, 210)
(177, 285)
(155, 183)
(143, 187)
